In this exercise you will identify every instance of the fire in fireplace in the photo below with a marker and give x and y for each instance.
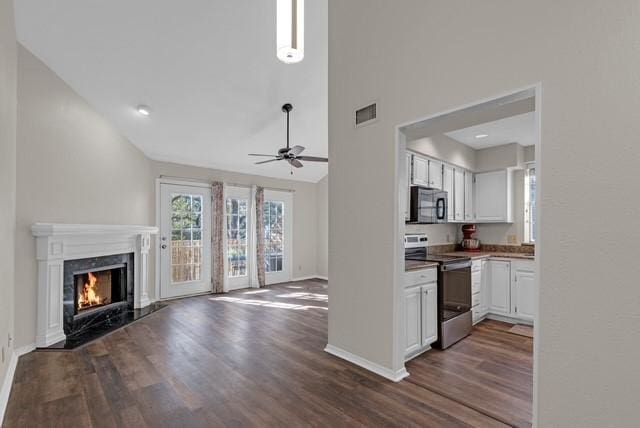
(94, 290)
(98, 288)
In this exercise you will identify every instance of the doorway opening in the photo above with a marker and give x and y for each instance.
(483, 161)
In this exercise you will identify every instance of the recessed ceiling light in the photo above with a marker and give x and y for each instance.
(144, 110)
(480, 136)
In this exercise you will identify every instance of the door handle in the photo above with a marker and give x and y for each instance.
(163, 246)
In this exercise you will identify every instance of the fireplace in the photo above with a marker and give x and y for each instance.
(100, 287)
(117, 256)
(96, 290)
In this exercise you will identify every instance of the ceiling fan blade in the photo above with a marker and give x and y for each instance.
(296, 150)
(312, 159)
(268, 156)
(296, 163)
(267, 161)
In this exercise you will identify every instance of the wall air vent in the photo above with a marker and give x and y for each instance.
(366, 115)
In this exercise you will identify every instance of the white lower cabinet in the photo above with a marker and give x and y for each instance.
(429, 314)
(499, 275)
(508, 290)
(478, 310)
(421, 311)
(523, 290)
(412, 308)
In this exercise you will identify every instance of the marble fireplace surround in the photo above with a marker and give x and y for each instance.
(56, 243)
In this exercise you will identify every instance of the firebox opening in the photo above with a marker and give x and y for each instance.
(97, 288)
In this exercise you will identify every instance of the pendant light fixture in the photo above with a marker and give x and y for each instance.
(290, 31)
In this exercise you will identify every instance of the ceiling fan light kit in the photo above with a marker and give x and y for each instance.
(290, 154)
(290, 31)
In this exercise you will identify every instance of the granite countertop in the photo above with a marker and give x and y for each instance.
(485, 254)
(418, 264)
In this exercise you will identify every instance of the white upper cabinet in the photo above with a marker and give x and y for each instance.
(448, 186)
(468, 196)
(420, 176)
(458, 200)
(494, 197)
(435, 174)
(499, 276)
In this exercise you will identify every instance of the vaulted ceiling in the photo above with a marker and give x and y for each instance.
(207, 68)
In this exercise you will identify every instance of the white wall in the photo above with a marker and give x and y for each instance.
(7, 180)
(322, 207)
(304, 207)
(446, 149)
(500, 157)
(72, 167)
(420, 58)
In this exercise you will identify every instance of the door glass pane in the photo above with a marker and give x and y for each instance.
(532, 204)
(237, 237)
(186, 238)
(273, 235)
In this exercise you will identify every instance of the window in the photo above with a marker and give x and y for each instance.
(186, 238)
(237, 237)
(530, 204)
(273, 236)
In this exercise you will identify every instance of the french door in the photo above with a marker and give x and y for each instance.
(238, 208)
(277, 216)
(240, 248)
(185, 240)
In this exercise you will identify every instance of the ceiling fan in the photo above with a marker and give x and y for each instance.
(290, 154)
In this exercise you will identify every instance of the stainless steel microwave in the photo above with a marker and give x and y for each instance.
(428, 206)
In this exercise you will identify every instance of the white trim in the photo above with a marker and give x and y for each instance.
(5, 391)
(399, 230)
(306, 278)
(6, 385)
(167, 180)
(394, 376)
(171, 290)
(184, 182)
(60, 229)
(509, 320)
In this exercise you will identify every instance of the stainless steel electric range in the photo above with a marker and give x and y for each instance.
(454, 290)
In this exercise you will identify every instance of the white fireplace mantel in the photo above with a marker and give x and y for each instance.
(56, 243)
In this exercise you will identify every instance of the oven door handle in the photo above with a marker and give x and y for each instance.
(456, 266)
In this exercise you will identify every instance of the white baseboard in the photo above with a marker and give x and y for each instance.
(506, 319)
(395, 376)
(5, 390)
(305, 278)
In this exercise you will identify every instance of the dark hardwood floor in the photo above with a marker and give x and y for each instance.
(255, 358)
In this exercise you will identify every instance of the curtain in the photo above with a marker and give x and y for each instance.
(217, 237)
(260, 236)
